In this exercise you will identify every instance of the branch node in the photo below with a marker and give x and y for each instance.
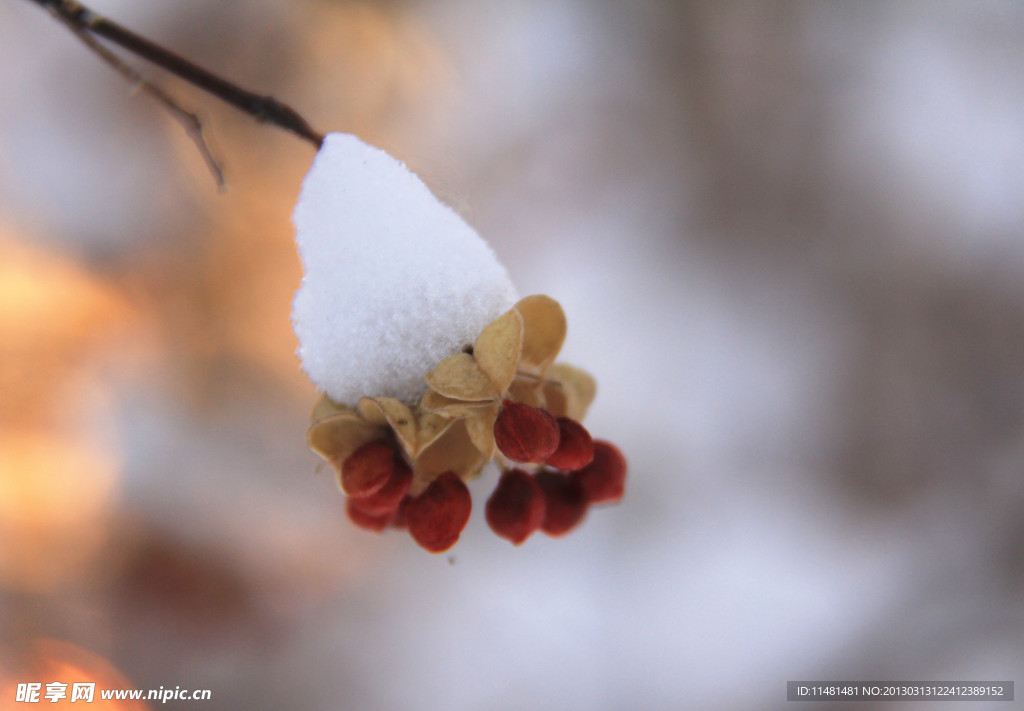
(84, 23)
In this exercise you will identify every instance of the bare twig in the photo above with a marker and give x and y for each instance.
(265, 109)
(189, 120)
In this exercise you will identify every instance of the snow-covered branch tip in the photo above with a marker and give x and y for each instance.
(431, 366)
(87, 25)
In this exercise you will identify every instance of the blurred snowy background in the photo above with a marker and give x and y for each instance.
(788, 237)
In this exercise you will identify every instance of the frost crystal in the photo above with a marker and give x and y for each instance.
(395, 281)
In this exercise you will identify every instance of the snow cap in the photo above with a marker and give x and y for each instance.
(395, 281)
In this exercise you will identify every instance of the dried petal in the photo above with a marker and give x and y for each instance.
(369, 521)
(524, 433)
(526, 391)
(568, 391)
(565, 502)
(337, 436)
(604, 479)
(368, 469)
(453, 451)
(450, 407)
(496, 350)
(575, 447)
(516, 508)
(325, 407)
(480, 429)
(460, 378)
(429, 427)
(544, 328)
(437, 516)
(388, 497)
(393, 413)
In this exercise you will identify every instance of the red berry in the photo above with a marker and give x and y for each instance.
(368, 469)
(565, 502)
(604, 479)
(437, 516)
(575, 447)
(369, 521)
(516, 508)
(524, 433)
(388, 497)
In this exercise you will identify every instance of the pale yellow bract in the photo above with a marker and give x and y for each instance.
(452, 427)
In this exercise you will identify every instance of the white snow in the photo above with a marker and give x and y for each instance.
(394, 282)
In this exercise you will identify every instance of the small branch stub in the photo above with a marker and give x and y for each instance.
(87, 25)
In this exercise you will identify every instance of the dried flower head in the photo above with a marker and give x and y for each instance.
(411, 409)
(501, 386)
(504, 398)
(386, 452)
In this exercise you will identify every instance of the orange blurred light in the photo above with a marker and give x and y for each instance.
(53, 318)
(57, 466)
(45, 661)
(54, 500)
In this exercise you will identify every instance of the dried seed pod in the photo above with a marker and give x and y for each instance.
(436, 517)
(368, 469)
(575, 446)
(604, 479)
(524, 433)
(565, 502)
(516, 508)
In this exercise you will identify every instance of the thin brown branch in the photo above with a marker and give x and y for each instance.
(193, 126)
(264, 109)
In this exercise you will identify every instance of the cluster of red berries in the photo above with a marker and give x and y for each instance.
(502, 398)
(573, 471)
